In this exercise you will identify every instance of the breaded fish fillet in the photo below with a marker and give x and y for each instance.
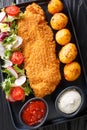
(40, 62)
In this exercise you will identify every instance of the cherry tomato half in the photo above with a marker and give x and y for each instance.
(12, 10)
(17, 93)
(17, 58)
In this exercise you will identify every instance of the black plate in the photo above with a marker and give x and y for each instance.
(81, 82)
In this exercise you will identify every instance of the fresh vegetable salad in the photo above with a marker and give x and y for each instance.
(15, 85)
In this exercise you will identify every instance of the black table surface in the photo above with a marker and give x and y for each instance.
(78, 10)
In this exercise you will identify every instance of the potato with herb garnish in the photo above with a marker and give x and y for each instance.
(68, 53)
(55, 6)
(72, 71)
(63, 36)
(59, 21)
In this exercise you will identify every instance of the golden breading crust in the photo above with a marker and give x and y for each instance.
(40, 62)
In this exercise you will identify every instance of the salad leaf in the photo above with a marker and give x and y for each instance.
(18, 70)
(27, 88)
(9, 40)
(7, 84)
(14, 27)
(4, 27)
(21, 15)
(7, 72)
(7, 54)
(3, 10)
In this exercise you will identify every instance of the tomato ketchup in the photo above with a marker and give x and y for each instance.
(34, 112)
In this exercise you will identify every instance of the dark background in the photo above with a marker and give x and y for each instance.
(78, 9)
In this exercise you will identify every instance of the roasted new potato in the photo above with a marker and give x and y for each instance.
(58, 21)
(72, 71)
(63, 36)
(68, 53)
(55, 6)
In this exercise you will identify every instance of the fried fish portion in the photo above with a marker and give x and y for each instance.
(40, 62)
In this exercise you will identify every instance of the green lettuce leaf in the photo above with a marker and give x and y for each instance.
(7, 54)
(20, 71)
(7, 84)
(27, 88)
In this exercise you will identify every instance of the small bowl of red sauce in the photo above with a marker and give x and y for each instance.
(34, 113)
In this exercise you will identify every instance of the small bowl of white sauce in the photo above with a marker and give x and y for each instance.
(70, 101)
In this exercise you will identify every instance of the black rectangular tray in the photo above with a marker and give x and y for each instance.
(81, 82)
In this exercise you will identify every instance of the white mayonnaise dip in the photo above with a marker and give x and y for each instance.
(69, 101)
